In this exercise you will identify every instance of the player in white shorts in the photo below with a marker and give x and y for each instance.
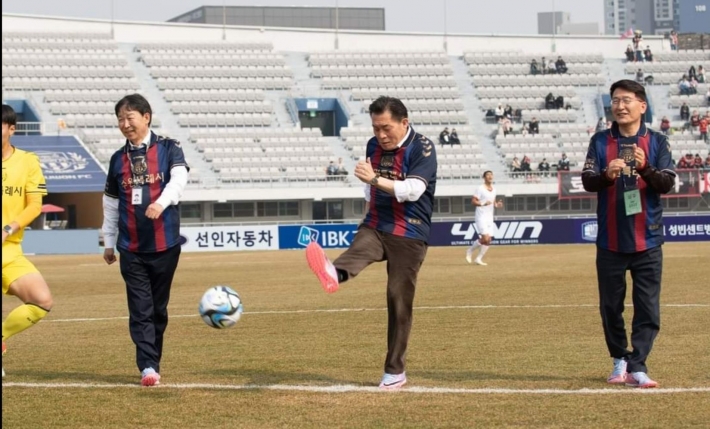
(484, 199)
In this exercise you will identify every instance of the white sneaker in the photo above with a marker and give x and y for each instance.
(393, 381)
(469, 253)
(478, 261)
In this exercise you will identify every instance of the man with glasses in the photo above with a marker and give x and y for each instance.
(629, 166)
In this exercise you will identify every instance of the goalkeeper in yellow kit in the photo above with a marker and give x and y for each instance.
(23, 187)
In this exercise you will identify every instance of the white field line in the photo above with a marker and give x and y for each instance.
(355, 310)
(345, 388)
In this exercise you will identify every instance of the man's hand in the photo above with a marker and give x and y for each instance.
(613, 171)
(488, 203)
(364, 171)
(499, 204)
(109, 256)
(153, 211)
(640, 157)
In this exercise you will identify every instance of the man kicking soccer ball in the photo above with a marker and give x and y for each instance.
(485, 202)
(400, 178)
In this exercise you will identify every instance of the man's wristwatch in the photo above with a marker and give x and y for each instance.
(374, 180)
(7, 229)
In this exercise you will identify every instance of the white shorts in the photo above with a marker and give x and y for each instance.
(485, 227)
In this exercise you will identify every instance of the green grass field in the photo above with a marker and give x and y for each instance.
(520, 339)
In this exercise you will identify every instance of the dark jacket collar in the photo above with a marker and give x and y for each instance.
(153, 140)
(617, 134)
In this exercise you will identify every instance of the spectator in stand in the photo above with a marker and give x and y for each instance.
(543, 66)
(686, 162)
(629, 53)
(560, 65)
(505, 125)
(534, 126)
(525, 164)
(647, 54)
(703, 127)
(701, 74)
(674, 40)
(692, 74)
(341, 168)
(695, 121)
(508, 112)
(638, 46)
(444, 136)
(698, 162)
(693, 86)
(549, 101)
(551, 68)
(639, 76)
(707, 95)
(544, 167)
(515, 165)
(499, 112)
(563, 164)
(665, 125)
(525, 130)
(534, 69)
(331, 169)
(454, 137)
(601, 125)
(684, 86)
(684, 112)
(706, 165)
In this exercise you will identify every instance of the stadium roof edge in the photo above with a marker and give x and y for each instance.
(317, 30)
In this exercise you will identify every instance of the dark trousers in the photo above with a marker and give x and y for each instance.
(646, 268)
(404, 257)
(148, 278)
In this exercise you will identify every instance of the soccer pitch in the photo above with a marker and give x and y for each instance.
(516, 343)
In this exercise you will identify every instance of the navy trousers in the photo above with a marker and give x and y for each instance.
(148, 278)
(646, 268)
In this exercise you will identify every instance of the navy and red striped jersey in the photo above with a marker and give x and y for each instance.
(148, 169)
(618, 232)
(414, 159)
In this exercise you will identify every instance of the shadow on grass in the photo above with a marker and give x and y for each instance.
(454, 376)
(70, 377)
(264, 377)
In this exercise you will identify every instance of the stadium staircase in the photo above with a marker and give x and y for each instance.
(476, 117)
(161, 109)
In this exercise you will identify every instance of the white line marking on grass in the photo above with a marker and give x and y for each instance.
(346, 388)
(355, 310)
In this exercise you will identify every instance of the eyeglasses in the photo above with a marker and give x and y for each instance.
(625, 101)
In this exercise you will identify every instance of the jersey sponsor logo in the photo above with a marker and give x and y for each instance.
(589, 231)
(526, 230)
(61, 162)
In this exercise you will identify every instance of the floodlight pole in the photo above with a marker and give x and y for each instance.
(224, 19)
(337, 23)
(446, 47)
(554, 26)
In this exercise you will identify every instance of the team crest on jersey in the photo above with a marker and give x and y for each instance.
(387, 161)
(138, 165)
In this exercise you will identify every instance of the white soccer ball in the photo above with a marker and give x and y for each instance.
(221, 307)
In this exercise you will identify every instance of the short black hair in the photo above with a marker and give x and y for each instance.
(394, 105)
(8, 115)
(487, 171)
(135, 102)
(631, 86)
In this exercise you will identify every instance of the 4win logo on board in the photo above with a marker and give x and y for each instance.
(526, 232)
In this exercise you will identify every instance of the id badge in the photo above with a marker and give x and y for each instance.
(137, 196)
(632, 202)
